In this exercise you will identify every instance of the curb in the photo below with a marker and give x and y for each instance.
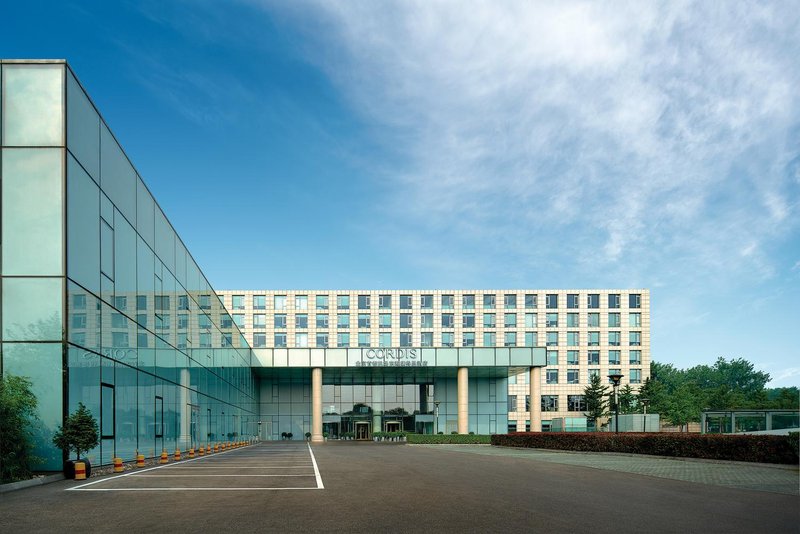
(22, 484)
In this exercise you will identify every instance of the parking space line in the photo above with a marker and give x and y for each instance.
(316, 469)
(205, 476)
(196, 489)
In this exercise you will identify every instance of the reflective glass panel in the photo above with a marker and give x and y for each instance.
(32, 309)
(33, 105)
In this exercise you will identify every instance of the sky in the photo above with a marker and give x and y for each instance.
(437, 144)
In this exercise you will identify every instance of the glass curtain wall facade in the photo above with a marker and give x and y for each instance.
(101, 301)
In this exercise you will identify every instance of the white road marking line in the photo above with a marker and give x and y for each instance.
(196, 489)
(316, 469)
(245, 467)
(204, 476)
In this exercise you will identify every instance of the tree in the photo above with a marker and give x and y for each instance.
(17, 415)
(627, 399)
(783, 398)
(79, 432)
(595, 397)
(684, 405)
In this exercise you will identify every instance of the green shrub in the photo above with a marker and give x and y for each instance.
(794, 442)
(17, 414)
(457, 439)
(743, 448)
(79, 432)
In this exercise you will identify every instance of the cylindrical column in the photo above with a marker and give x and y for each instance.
(536, 399)
(316, 405)
(463, 400)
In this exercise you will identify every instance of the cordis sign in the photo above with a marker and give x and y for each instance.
(391, 354)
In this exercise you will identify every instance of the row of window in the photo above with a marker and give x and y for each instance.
(572, 375)
(447, 320)
(426, 301)
(549, 403)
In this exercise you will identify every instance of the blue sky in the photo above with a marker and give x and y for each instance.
(468, 145)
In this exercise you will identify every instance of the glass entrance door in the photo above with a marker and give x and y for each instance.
(362, 430)
(393, 426)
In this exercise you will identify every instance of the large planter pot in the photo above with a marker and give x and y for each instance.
(69, 468)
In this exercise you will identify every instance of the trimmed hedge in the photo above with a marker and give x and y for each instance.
(457, 439)
(747, 448)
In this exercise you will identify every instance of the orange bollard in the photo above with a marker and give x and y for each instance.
(118, 465)
(201, 452)
(216, 447)
(191, 452)
(222, 447)
(80, 471)
(177, 454)
(140, 460)
(164, 457)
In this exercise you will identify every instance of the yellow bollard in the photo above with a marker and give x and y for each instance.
(216, 447)
(140, 460)
(202, 451)
(164, 457)
(80, 471)
(177, 454)
(118, 465)
(222, 447)
(191, 452)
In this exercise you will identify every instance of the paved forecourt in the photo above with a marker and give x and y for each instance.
(267, 466)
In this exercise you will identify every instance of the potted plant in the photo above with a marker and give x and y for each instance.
(325, 436)
(79, 433)
(308, 436)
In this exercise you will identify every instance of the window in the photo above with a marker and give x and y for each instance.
(635, 320)
(488, 302)
(614, 339)
(510, 320)
(530, 320)
(205, 302)
(468, 302)
(363, 320)
(384, 302)
(121, 303)
(321, 302)
(594, 372)
(343, 339)
(468, 320)
(301, 320)
(489, 339)
(363, 302)
(572, 376)
(635, 357)
(488, 320)
(227, 340)
(204, 321)
(551, 376)
(385, 320)
(322, 339)
(183, 302)
(576, 403)
(512, 426)
(528, 408)
(426, 302)
(512, 403)
(614, 357)
(552, 320)
(448, 302)
(530, 300)
(594, 339)
(549, 403)
(573, 320)
(237, 302)
(530, 339)
(259, 340)
(509, 301)
(363, 339)
(405, 302)
(280, 320)
(259, 302)
(118, 321)
(343, 302)
(634, 300)
(552, 357)
(635, 339)
(280, 340)
(593, 300)
(301, 340)
(510, 339)
(636, 376)
(79, 302)
(385, 339)
(573, 339)
(594, 357)
(551, 301)
(594, 320)
(322, 320)
(238, 320)
(343, 320)
(613, 300)
(552, 339)
(572, 357)
(427, 320)
(448, 320)
(183, 321)
(572, 301)
(280, 302)
(427, 339)
(614, 320)
(448, 339)
(468, 339)
(405, 339)
(405, 320)
(301, 302)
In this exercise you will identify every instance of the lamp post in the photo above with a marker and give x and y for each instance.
(436, 417)
(615, 378)
(645, 401)
(259, 431)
